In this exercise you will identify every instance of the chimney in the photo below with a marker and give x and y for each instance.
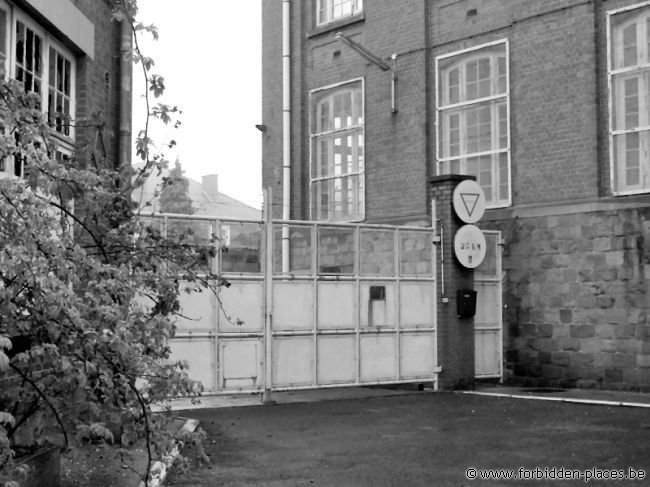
(210, 185)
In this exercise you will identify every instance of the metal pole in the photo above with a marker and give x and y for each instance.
(268, 297)
(286, 130)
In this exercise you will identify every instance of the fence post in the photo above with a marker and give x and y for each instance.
(267, 231)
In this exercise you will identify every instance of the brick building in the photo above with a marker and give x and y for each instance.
(69, 51)
(545, 103)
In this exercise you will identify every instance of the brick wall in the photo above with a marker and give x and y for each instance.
(98, 79)
(576, 258)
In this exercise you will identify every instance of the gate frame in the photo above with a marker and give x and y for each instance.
(498, 280)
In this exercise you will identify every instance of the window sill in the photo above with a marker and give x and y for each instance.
(336, 25)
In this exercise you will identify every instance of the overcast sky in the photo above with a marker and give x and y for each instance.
(209, 53)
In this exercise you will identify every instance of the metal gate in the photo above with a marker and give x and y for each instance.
(311, 305)
(488, 321)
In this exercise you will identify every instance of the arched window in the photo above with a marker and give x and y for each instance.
(472, 115)
(629, 73)
(337, 153)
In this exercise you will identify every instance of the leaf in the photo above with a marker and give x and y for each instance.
(5, 343)
(4, 361)
(6, 418)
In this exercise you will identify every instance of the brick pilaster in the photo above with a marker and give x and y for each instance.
(455, 335)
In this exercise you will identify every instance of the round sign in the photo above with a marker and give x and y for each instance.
(470, 246)
(469, 201)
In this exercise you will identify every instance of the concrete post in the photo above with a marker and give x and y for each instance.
(455, 335)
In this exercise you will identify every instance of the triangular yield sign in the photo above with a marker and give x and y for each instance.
(469, 200)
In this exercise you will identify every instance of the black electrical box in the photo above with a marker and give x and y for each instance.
(466, 303)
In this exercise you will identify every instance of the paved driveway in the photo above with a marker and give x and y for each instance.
(425, 439)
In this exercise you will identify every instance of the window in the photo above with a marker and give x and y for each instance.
(337, 153)
(330, 10)
(32, 56)
(473, 118)
(629, 84)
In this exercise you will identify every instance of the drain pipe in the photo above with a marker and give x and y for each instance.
(126, 75)
(286, 130)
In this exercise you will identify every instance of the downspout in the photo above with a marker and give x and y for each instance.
(126, 75)
(286, 130)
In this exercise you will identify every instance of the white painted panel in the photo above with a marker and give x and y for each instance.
(337, 360)
(293, 361)
(336, 305)
(293, 305)
(378, 313)
(240, 365)
(199, 354)
(486, 353)
(197, 310)
(488, 308)
(378, 358)
(417, 355)
(243, 301)
(416, 304)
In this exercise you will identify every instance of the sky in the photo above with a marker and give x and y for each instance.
(209, 53)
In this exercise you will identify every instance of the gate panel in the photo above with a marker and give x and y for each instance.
(488, 321)
(417, 355)
(378, 358)
(301, 315)
(313, 305)
(244, 301)
(199, 353)
(336, 305)
(293, 362)
(240, 364)
(337, 360)
(379, 310)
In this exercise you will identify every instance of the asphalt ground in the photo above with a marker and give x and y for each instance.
(421, 439)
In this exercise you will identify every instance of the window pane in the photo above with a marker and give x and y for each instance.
(454, 86)
(503, 126)
(628, 162)
(629, 46)
(631, 103)
(502, 74)
(28, 58)
(338, 199)
(503, 177)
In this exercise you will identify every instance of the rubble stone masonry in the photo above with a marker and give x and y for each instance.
(577, 299)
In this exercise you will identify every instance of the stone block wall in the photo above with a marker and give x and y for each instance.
(578, 299)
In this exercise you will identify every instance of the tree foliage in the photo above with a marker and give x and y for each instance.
(175, 192)
(89, 292)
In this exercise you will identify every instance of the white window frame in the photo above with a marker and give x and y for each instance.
(315, 136)
(330, 9)
(65, 143)
(443, 107)
(616, 110)
(8, 37)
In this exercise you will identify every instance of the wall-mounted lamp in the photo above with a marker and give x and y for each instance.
(261, 127)
(377, 61)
